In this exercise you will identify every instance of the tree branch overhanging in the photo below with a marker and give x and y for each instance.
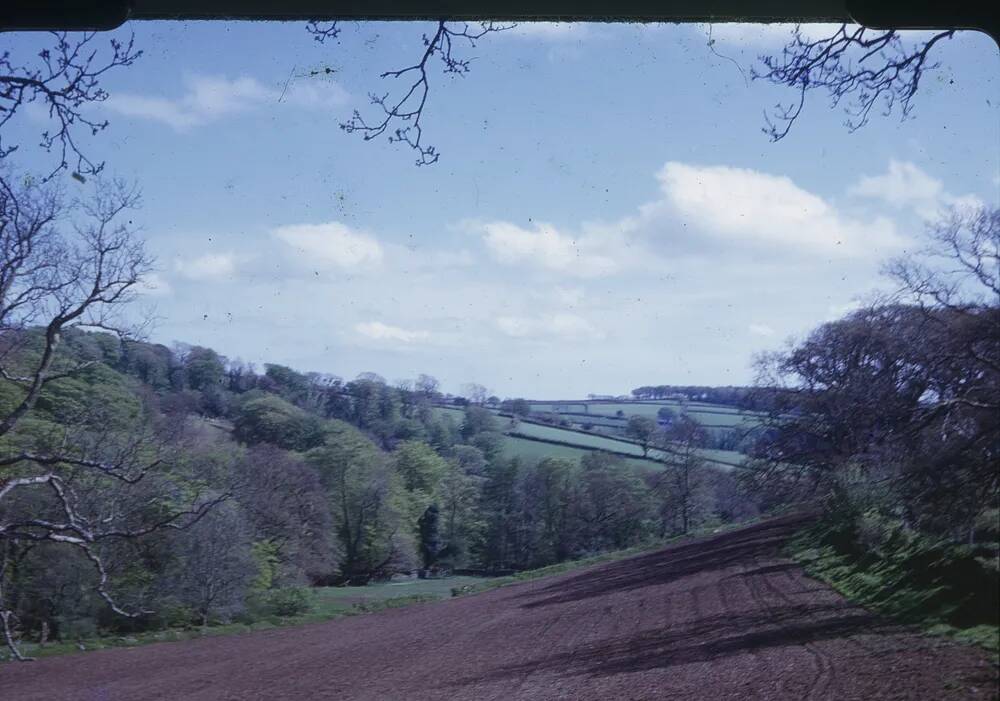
(861, 65)
(401, 112)
(65, 78)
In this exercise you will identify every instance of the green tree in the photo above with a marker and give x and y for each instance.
(420, 468)
(550, 508)
(289, 384)
(203, 368)
(642, 429)
(429, 527)
(367, 504)
(458, 497)
(615, 504)
(265, 418)
(477, 420)
(498, 508)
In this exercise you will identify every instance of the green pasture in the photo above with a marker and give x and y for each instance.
(708, 415)
(585, 440)
(332, 601)
(530, 451)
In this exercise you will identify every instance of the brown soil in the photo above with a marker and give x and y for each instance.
(724, 617)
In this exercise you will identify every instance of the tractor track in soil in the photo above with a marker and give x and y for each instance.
(720, 617)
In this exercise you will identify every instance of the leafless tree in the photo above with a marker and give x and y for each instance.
(282, 498)
(400, 113)
(217, 563)
(427, 385)
(475, 393)
(52, 282)
(959, 268)
(857, 65)
(63, 78)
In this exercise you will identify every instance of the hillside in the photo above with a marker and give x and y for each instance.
(282, 480)
(722, 617)
(537, 437)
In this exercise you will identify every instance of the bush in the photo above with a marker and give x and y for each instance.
(882, 565)
(290, 601)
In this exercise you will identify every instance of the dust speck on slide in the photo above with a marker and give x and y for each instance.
(722, 617)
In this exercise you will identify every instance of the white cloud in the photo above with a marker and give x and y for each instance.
(546, 247)
(331, 243)
(153, 284)
(905, 186)
(209, 98)
(757, 36)
(701, 210)
(760, 330)
(557, 326)
(569, 296)
(416, 258)
(211, 266)
(550, 31)
(378, 331)
(313, 92)
(746, 206)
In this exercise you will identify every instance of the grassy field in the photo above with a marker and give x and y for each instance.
(595, 442)
(604, 413)
(708, 415)
(454, 413)
(327, 603)
(333, 601)
(584, 440)
(532, 451)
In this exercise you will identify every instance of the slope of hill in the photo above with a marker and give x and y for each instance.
(723, 617)
(532, 441)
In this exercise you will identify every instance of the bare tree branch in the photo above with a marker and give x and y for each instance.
(64, 78)
(401, 113)
(865, 66)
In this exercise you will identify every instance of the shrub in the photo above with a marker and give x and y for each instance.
(879, 563)
(290, 601)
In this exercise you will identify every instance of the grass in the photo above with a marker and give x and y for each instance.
(334, 601)
(582, 443)
(942, 588)
(327, 604)
(533, 451)
(708, 415)
(558, 568)
(612, 556)
(584, 440)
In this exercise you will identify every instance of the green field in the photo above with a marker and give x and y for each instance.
(585, 440)
(453, 412)
(534, 451)
(708, 415)
(332, 601)
(531, 451)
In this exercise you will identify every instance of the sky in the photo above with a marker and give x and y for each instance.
(606, 211)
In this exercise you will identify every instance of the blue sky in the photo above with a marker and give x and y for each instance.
(606, 212)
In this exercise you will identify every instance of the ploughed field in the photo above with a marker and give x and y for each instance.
(722, 617)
